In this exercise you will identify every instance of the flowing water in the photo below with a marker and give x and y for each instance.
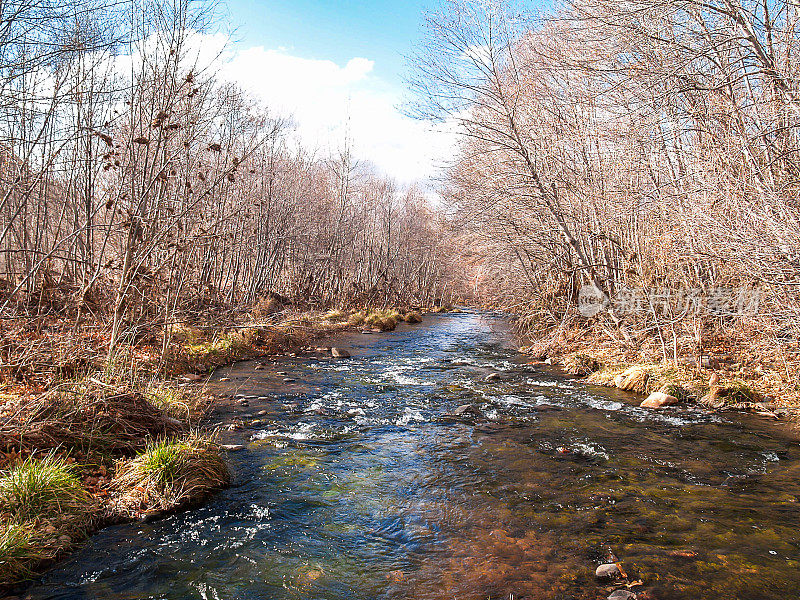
(359, 483)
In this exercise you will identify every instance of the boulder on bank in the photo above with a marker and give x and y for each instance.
(659, 400)
(339, 353)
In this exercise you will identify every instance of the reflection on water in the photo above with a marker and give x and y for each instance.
(360, 482)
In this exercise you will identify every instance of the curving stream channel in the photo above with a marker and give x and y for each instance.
(358, 482)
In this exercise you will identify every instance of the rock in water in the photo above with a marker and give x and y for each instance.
(659, 400)
(467, 409)
(339, 353)
(608, 571)
(232, 447)
(622, 595)
(494, 377)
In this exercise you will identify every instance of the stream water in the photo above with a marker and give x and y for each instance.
(359, 483)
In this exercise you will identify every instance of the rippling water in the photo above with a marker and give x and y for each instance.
(358, 483)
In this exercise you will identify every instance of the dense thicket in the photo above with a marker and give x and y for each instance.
(645, 144)
(133, 184)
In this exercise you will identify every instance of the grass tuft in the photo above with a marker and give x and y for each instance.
(44, 488)
(335, 316)
(19, 552)
(413, 317)
(170, 474)
(581, 365)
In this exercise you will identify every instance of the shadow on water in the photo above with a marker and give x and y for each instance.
(358, 483)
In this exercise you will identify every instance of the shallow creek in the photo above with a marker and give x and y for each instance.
(356, 484)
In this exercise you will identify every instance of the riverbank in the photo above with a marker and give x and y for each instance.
(86, 441)
(736, 370)
(364, 477)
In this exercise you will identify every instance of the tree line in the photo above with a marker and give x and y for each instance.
(135, 184)
(646, 144)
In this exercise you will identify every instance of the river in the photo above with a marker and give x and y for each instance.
(359, 483)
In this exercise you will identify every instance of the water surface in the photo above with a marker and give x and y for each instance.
(359, 483)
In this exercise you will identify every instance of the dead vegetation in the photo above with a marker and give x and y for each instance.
(753, 375)
(85, 417)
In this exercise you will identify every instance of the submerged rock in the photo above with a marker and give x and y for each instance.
(608, 571)
(340, 353)
(493, 377)
(622, 595)
(659, 400)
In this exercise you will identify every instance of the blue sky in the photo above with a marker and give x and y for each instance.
(384, 31)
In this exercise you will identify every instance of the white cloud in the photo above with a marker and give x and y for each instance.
(327, 101)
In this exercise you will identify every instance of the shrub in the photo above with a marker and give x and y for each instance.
(43, 488)
(413, 317)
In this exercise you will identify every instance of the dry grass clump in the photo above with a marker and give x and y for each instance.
(357, 318)
(412, 317)
(680, 382)
(84, 417)
(179, 403)
(581, 364)
(169, 474)
(185, 334)
(266, 306)
(383, 319)
(335, 316)
(44, 508)
(239, 344)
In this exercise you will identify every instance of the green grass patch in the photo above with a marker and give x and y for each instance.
(169, 474)
(735, 392)
(46, 488)
(19, 552)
